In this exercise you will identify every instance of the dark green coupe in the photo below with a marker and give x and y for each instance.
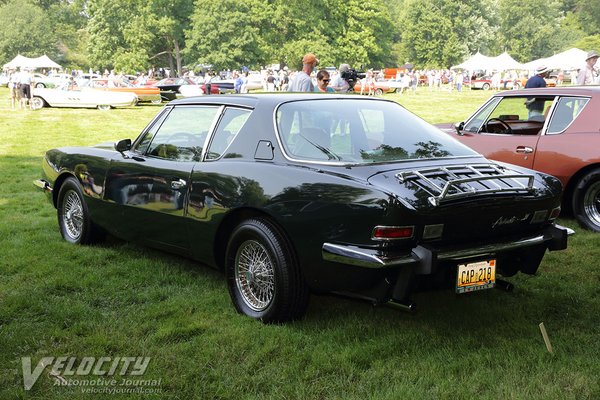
(293, 194)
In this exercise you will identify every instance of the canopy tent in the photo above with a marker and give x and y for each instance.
(476, 61)
(25, 62)
(567, 60)
(504, 62)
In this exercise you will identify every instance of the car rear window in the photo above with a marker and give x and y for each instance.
(360, 131)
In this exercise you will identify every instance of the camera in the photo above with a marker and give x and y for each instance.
(351, 76)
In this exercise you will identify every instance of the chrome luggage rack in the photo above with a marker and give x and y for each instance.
(458, 181)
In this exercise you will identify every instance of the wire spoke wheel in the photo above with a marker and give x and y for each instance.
(591, 203)
(254, 275)
(72, 215)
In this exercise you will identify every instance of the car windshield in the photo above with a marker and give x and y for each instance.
(360, 131)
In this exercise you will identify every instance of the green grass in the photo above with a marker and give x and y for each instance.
(121, 300)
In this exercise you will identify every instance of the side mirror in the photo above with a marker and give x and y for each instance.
(123, 145)
(459, 127)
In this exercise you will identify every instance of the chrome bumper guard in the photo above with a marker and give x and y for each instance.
(554, 237)
(42, 185)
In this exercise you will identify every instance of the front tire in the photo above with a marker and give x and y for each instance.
(103, 107)
(586, 201)
(37, 103)
(40, 85)
(74, 219)
(378, 92)
(263, 275)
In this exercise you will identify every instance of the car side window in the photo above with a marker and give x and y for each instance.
(182, 134)
(567, 109)
(230, 125)
(474, 125)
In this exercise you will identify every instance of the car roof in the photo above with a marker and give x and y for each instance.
(553, 91)
(251, 100)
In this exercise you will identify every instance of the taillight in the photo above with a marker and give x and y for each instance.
(554, 214)
(392, 232)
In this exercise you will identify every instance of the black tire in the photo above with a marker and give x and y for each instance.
(378, 92)
(586, 201)
(263, 275)
(74, 219)
(486, 86)
(40, 85)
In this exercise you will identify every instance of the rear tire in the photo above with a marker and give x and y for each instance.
(586, 201)
(263, 275)
(74, 220)
(40, 85)
(103, 107)
(486, 86)
(378, 92)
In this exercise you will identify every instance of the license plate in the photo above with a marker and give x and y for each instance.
(476, 276)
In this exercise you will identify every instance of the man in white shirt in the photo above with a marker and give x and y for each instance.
(302, 81)
(587, 75)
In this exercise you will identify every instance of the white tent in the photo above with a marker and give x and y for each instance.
(25, 62)
(567, 60)
(504, 62)
(476, 61)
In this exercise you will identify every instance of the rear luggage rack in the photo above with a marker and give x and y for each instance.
(459, 181)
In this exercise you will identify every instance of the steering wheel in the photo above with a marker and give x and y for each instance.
(507, 128)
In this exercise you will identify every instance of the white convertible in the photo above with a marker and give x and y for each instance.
(69, 95)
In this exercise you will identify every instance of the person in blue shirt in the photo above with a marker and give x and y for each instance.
(537, 81)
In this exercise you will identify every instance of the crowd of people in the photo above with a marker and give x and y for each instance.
(311, 79)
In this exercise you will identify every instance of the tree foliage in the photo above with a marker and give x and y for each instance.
(134, 35)
(24, 30)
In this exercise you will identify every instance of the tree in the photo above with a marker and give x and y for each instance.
(226, 34)
(440, 33)
(24, 30)
(528, 29)
(133, 34)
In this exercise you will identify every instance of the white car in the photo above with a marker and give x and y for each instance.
(69, 95)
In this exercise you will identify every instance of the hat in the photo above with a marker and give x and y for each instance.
(541, 69)
(592, 54)
(310, 58)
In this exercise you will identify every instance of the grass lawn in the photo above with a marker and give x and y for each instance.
(122, 300)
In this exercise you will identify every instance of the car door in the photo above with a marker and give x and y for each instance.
(151, 183)
(508, 129)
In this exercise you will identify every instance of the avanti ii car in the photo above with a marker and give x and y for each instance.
(298, 193)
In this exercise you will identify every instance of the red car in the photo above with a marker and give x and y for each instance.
(552, 130)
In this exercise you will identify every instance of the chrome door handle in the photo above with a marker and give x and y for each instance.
(178, 184)
(524, 149)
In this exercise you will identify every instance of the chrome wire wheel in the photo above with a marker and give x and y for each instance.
(72, 215)
(254, 275)
(591, 203)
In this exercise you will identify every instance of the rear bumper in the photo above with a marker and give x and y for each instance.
(553, 237)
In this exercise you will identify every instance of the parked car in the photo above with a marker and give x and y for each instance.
(288, 194)
(485, 83)
(197, 90)
(70, 95)
(379, 87)
(553, 130)
(169, 87)
(144, 93)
